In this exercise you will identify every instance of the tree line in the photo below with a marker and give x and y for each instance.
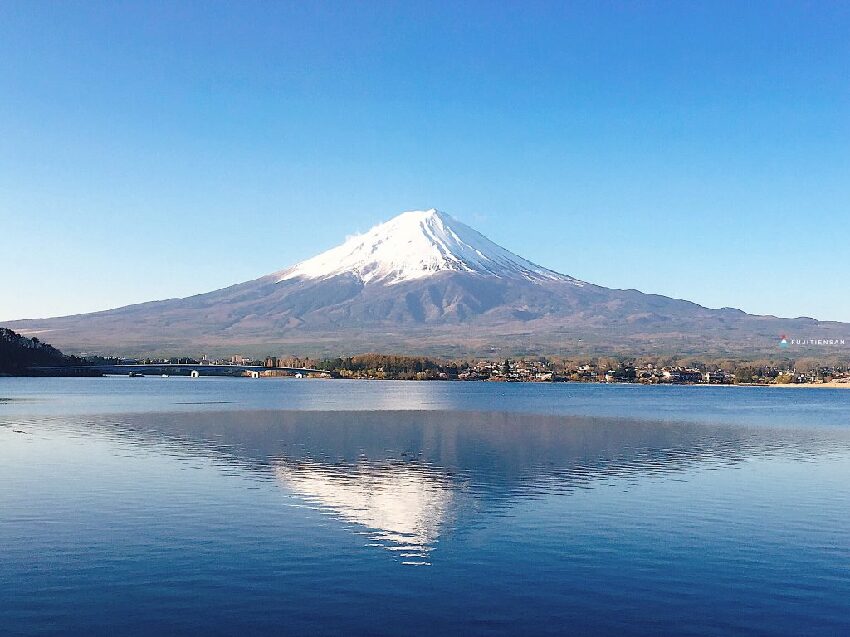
(19, 353)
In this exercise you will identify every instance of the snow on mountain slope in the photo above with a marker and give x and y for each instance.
(415, 245)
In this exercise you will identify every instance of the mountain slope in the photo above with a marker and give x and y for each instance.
(423, 283)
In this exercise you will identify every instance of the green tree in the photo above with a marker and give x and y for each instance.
(744, 374)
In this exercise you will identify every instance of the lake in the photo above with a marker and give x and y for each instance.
(220, 506)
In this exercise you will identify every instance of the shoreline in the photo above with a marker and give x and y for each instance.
(827, 385)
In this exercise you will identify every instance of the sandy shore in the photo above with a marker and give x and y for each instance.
(830, 385)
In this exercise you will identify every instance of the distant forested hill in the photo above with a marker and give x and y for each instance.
(17, 353)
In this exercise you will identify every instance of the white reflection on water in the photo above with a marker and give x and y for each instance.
(408, 478)
(402, 507)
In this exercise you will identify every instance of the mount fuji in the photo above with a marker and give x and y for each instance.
(426, 283)
(416, 245)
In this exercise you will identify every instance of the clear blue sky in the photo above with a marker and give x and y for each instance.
(698, 150)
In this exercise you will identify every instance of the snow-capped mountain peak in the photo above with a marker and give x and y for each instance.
(415, 245)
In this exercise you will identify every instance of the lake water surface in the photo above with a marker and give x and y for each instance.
(218, 506)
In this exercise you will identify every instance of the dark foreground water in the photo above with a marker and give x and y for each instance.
(250, 507)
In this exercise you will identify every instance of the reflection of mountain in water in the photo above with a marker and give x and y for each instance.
(401, 506)
(405, 476)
